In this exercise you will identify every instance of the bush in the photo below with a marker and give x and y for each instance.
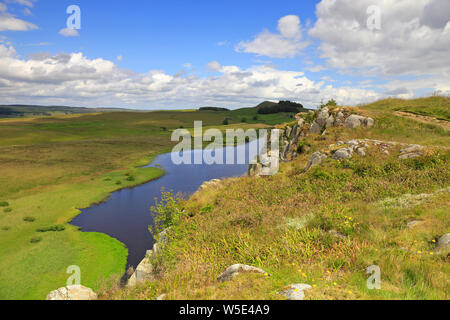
(7, 210)
(29, 219)
(225, 122)
(166, 213)
(244, 120)
(331, 103)
(36, 239)
(213, 109)
(55, 228)
(131, 178)
(118, 183)
(255, 118)
(4, 204)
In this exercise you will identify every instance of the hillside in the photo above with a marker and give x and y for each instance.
(15, 111)
(322, 227)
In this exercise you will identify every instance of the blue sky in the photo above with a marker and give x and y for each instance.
(154, 54)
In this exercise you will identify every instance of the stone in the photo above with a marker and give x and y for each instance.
(315, 160)
(412, 224)
(354, 121)
(361, 152)
(296, 291)
(339, 119)
(409, 156)
(412, 149)
(369, 122)
(443, 245)
(337, 234)
(236, 269)
(330, 122)
(322, 117)
(300, 123)
(341, 154)
(75, 292)
(161, 297)
(144, 271)
(315, 128)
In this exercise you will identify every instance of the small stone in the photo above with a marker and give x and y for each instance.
(412, 224)
(75, 292)
(161, 297)
(296, 291)
(409, 156)
(361, 152)
(443, 245)
(315, 159)
(236, 269)
(342, 154)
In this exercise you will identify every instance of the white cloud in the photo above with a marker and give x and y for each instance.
(119, 58)
(288, 43)
(3, 7)
(10, 23)
(67, 32)
(214, 66)
(414, 38)
(74, 79)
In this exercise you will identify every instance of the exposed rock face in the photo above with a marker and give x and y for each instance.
(236, 269)
(356, 121)
(315, 160)
(443, 245)
(76, 292)
(296, 291)
(144, 271)
(208, 184)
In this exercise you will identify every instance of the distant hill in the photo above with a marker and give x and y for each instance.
(15, 111)
(213, 109)
(268, 107)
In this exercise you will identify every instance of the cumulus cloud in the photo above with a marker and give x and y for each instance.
(287, 43)
(76, 80)
(67, 32)
(414, 37)
(9, 22)
(214, 66)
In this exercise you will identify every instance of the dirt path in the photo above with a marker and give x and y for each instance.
(424, 119)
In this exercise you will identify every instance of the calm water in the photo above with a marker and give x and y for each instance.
(125, 215)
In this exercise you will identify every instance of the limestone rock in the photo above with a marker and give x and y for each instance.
(443, 245)
(296, 291)
(354, 121)
(315, 159)
(341, 154)
(76, 292)
(361, 152)
(330, 122)
(161, 297)
(315, 128)
(322, 117)
(339, 119)
(236, 269)
(412, 224)
(411, 155)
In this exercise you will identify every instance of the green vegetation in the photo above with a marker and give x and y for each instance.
(323, 227)
(51, 167)
(282, 106)
(213, 109)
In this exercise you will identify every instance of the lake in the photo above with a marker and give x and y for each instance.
(125, 215)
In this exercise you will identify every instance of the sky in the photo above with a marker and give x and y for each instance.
(186, 54)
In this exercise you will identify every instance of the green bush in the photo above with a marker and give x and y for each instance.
(131, 178)
(225, 122)
(29, 219)
(244, 120)
(55, 228)
(7, 210)
(4, 204)
(166, 213)
(36, 239)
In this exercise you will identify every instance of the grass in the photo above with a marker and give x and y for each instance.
(52, 166)
(282, 224)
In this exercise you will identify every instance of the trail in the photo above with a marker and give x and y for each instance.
(424, 119)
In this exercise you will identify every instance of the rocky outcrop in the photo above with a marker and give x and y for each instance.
(145, 270)
(326, 119)
(296, 291)
(236, 269)
(315, 159)
(209, 184)
(75, 292)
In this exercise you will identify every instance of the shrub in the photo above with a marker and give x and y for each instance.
(36, 239)
(255, 118)
(4, 204)
(7, 210)
(55, 228)
(118, 183)
(131, 178)
(225, 122)
(6, 228)
(29, 219)
(331, 103)
(244, 120)
(207, 209)
(166, 213)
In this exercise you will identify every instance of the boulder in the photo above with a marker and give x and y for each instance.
(75, 292)
(330, 122)
(315, 128)
(339, 119)
(236, 269)
(322, 117)
(315, 159)
(409, 156)
(144, 271)
(412, 148)
(443, 245)
(361, 152)
(296, 291)
(341, 154)
(354, 121)
(369, 122)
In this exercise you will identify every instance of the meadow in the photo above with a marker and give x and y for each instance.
(52, 166)
(287, 224)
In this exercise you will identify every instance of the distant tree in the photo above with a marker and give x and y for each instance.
(331, 103)
(244, 120)
(255, 118)
(225, 122)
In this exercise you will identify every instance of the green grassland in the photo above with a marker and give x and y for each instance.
(281, 223)
(52, 166)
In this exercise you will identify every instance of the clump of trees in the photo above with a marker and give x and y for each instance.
(282, 106)
(213, 109)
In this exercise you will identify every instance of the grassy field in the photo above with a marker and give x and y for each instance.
(281, 223)
(52, 166)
